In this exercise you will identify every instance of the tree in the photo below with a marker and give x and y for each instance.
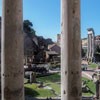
(97, 49)
(29, 45)
(97, 53)
(33, 44)
(27, 26)
(83, 52)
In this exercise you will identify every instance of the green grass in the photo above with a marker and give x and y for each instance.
(87, 94)
(92, 65)
(33, 90)
(91, 85)
(30, 89)
(51, 81)
(55, 87)
(50, 78)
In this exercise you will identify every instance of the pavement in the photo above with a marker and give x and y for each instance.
(31, 98)
(88, 74)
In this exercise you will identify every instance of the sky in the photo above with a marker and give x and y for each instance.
(46, 16)
(90, 16)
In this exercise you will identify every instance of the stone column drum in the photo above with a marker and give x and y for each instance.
(12, 71)
(70, 50)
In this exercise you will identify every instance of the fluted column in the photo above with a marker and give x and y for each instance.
(70, 50)
(12, 73)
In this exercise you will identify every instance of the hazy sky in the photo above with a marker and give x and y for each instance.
(45, 16)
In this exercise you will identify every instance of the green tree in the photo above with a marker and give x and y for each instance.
(97, 49)
(83, 52)
(28, 27)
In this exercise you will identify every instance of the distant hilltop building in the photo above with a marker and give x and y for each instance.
(54, 50)
(97, 40)
(84, 43)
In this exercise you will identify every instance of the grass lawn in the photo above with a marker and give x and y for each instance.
(91, 85)
(55, 87)
(50, 78)
(51, 81)
(33, 90)
(92, 65)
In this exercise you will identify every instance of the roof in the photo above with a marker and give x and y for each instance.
(52, 45)
(51, 53)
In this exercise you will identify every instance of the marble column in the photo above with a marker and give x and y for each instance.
(12, 72)
(91, 44)
(70, 50)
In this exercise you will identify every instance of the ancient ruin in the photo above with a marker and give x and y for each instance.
(12, 73)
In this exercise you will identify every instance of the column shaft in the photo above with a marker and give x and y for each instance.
(12, 72)
(70, 51)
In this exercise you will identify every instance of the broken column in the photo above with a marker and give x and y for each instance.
(12, 72)
(70, 51)
(91, 44)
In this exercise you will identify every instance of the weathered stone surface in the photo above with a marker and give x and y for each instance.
(12, 51)
(91, 44)
(71, 51)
